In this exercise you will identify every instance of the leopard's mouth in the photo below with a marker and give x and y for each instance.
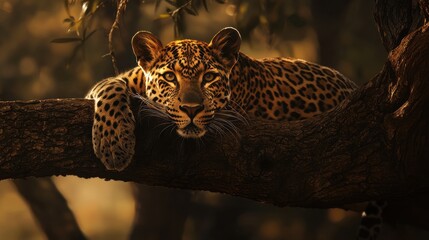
(191, 131)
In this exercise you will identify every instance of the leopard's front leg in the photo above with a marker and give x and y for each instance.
(113, 136)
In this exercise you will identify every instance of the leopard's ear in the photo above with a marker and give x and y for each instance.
(226, 45)
(146, 48)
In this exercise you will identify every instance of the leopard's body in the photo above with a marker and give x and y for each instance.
(192, 83)
(286, 88)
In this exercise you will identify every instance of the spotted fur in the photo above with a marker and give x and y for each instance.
(195, 86)
(191, 83)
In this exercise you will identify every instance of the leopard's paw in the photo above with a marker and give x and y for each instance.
(113, 138)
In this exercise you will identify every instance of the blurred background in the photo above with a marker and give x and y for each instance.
(337, 33)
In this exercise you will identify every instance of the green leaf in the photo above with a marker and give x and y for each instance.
(66, 40)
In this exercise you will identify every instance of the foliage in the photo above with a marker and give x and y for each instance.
(268, 14)
(79, 26)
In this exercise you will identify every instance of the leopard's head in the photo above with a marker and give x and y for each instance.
(188, 80)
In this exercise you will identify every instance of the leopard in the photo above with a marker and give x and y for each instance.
(194, 84)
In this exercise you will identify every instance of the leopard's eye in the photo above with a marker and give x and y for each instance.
(208, 77)
(169, 76)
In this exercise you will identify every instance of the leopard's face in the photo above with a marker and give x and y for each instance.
(188, 80)
(190, 84)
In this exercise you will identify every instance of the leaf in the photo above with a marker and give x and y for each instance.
(205, 5)
(77, 27)
(93, 6)
(67, 6)
(71, 27)
(66, 40)
(157, 4)
(85, 9)
(70, 20)
(67, 20)
(164, 16)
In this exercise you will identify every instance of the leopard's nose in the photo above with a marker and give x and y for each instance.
(191, 109)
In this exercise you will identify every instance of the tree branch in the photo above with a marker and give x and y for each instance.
(50, 208)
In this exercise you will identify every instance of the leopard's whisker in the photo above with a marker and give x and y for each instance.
(233, 116)
(242, 111)
(226, 126)
(229, 126)
(217, 130)
(243, 117)
(170, 125)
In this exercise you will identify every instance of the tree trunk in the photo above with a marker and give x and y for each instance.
(328, 16)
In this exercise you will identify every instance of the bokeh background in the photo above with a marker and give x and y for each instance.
(340, 34)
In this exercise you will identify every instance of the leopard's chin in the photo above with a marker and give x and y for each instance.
(191, 131)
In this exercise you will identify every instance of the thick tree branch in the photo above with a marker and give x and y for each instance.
(374, 146)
